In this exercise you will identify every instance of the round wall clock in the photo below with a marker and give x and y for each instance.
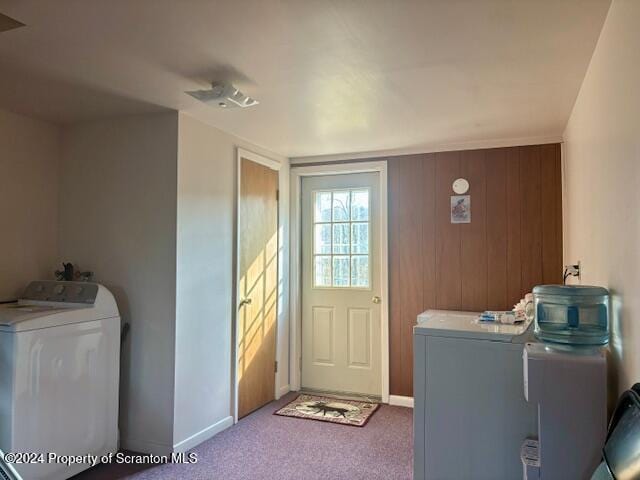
(461, 186)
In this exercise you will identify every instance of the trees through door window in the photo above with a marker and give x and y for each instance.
(341, 244)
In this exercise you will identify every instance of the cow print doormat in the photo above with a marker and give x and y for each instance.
(334, 410)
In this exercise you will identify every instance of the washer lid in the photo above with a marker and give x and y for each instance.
(445, 323)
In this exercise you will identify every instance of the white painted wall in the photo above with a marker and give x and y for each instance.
(118, 219)
(29, 163)
(148, 203)
(206, 203)
(203, 281)
(602, 182)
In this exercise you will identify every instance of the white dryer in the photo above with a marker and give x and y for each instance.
(59, 376)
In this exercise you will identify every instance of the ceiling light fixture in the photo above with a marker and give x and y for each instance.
(224, 95)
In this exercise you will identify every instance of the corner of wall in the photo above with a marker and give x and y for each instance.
(118, 183)
(602, 168)
(29, 200)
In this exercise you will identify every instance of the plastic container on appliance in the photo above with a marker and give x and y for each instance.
(572, 314)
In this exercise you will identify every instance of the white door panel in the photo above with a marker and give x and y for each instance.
(322, 336)
(359, 338)
(341, 347)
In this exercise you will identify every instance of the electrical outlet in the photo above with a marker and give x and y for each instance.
(573, 270)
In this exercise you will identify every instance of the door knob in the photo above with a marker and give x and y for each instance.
(376, 300)
(244, 301)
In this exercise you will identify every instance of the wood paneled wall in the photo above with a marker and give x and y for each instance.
(514, 240)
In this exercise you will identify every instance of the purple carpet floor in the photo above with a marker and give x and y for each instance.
(269, 447)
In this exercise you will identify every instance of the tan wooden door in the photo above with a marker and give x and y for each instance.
(258, 285)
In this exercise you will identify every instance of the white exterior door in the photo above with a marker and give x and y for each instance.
(341, 314)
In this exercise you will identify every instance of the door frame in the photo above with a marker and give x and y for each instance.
(295, 266)
(277, 166)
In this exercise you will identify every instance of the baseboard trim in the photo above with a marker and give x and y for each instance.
(283, 390)
(202, 435)
(400, 401)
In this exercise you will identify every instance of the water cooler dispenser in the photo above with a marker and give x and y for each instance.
(565, 376)
(569, 388)
(572, 314)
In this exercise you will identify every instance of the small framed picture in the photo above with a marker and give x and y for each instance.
(460, 208)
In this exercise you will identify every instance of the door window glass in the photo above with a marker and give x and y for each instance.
(341, 245)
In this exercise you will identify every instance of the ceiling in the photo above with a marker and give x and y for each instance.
(332, 76)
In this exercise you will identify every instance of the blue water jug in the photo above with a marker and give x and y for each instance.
(572, 314)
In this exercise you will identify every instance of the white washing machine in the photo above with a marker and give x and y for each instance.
(59, 376)
(470, 414)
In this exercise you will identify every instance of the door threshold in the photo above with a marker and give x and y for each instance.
(359, 397)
